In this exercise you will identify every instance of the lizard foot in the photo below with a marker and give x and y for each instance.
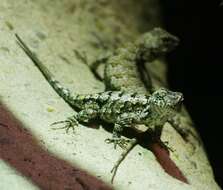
(118, 141)
(71, 123)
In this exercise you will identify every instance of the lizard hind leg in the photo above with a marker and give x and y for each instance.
(70, 123)
(83, 116)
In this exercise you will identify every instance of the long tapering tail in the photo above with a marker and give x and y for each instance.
(46, 73)
(63, 92)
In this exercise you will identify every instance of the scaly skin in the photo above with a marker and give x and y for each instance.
(123, 109)
(122, 68)
(125, 71)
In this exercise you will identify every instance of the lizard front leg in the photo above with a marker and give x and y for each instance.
(116, 136)
(122, 122)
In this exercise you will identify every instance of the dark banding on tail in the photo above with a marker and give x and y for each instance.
(63, 92)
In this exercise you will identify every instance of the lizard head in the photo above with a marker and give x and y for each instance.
(156, 43)
(164, 98)
(163, 104)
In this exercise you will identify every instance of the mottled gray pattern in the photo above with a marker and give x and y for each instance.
(121, 71)
(123, 109)
(121, 106)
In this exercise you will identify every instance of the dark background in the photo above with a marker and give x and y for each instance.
(195, 68)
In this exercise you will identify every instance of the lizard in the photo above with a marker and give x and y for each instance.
(125, 66)
(122, 109)
(124, 70)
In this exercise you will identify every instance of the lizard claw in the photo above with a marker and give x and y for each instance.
(120, 142)
(70, 124)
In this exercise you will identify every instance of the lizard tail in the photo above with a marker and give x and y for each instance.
(46, 73)
(63, 92)
(131, 145)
